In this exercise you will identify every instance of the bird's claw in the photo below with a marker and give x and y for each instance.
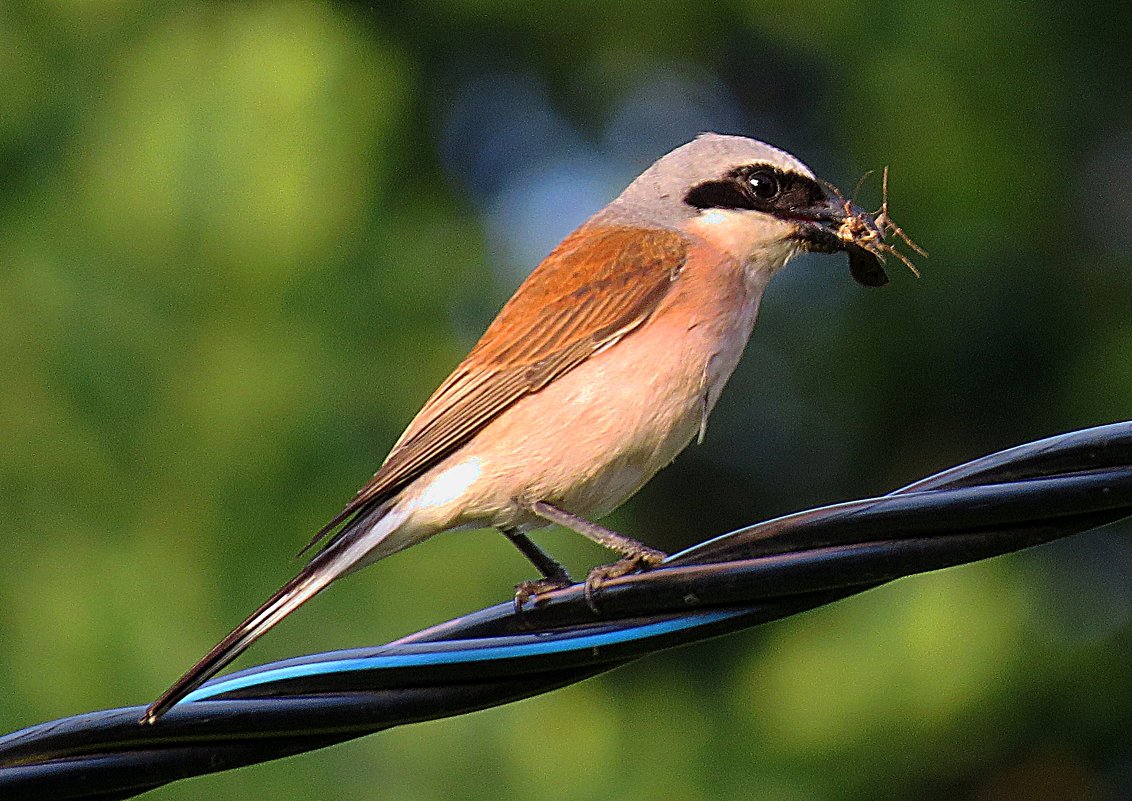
(642, 559)
(534, 590)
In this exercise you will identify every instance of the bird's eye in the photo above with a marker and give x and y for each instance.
(764, 184)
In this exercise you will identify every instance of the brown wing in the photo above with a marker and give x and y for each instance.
(599, 284)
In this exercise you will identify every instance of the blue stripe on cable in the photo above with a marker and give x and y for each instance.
(480, 654)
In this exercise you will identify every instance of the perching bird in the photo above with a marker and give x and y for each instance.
(600, 369)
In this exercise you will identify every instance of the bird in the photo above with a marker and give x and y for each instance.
(600, 369)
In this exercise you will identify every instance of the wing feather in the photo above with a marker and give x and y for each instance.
(597, 286)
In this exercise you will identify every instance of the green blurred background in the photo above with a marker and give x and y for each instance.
(241, 243)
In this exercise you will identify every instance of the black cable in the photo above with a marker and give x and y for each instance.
(1000, 503)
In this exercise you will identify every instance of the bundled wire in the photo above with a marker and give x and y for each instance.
(1001, 503)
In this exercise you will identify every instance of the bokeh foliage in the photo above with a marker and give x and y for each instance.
(240, 243)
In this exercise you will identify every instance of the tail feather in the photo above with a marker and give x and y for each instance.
(324, 568)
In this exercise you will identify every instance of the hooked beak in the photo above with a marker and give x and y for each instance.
(838, 225)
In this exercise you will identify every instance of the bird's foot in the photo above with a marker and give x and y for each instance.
(642, 558)
(534, 590)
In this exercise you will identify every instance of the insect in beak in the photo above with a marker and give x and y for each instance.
(841, 225)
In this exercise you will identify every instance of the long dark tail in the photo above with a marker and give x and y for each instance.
(324, 568)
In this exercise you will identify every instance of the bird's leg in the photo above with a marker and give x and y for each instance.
(554, 574)
(635, 555)
(631, 549)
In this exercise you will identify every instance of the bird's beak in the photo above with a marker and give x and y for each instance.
(837, 225)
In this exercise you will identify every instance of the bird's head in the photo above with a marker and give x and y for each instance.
(760, 204)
